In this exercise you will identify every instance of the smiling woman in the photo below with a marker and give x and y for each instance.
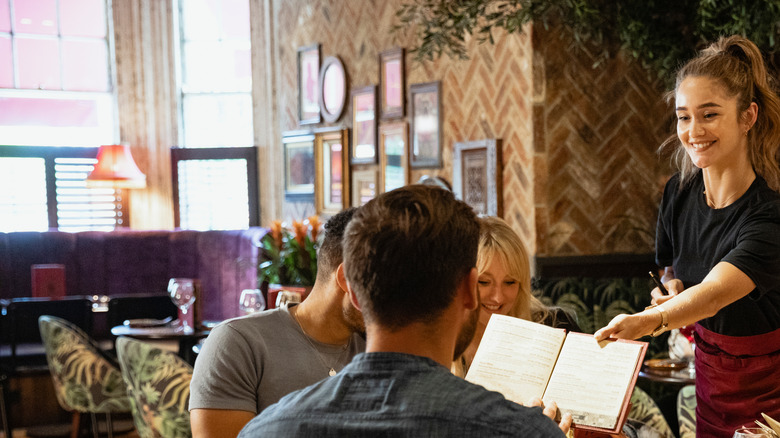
(715, 136)
(717, 236)
(504, 285)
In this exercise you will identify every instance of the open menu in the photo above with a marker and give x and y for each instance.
(591, 380)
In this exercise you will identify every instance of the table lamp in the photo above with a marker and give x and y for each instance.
(116, 168)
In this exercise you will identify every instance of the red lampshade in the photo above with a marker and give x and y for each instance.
(115, 167)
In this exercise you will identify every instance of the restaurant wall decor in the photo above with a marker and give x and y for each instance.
(298, 164)
(333, 88)
(477, 175)
(392, 83)
(364, 103)
(308, 84)
(364, 186)
(332, 170)
(426, 115)
(393, 158)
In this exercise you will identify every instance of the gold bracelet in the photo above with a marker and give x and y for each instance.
(664, 320)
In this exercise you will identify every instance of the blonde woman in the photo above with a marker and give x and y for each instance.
(505, 285)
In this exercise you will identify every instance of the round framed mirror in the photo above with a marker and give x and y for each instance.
(333, 89)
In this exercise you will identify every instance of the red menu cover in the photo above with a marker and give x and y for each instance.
(48, 281)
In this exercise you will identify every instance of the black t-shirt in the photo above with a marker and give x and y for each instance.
(693, 238)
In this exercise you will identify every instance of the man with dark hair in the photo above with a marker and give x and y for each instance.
(410, 257)
(249, 363)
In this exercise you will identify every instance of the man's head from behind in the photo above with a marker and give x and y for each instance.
(406, 252)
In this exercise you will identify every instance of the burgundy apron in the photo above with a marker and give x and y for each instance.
(737, 378)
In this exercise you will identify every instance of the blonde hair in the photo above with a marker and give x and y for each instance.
(498, 239)
(736, 63)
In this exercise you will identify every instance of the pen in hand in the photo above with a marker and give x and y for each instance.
(658, 283)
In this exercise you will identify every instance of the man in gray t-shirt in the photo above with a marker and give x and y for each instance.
(249, 363)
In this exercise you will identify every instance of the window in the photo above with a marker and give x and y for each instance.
(215, 171)
(216, 73)
(44, 187)
(56, 86)
(215, 188)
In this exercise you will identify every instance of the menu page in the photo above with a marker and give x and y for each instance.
(516, 357)
(591, 380)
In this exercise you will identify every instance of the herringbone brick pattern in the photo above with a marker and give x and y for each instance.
(488, 96)
(597, 174)
(580, 175)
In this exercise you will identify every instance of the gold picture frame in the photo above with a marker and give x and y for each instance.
(331, 190)
(393, 156)
(364, 186)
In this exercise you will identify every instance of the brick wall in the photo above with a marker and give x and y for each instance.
(580, 174)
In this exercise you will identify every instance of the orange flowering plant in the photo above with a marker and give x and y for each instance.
(288, 256)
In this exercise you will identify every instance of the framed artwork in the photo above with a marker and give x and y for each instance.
(425, 143)
(333, 88)
(298, 165)
(364, 186)
(476, 175)
(391, 83)
(363, 149)
(393, 166)
(309, 84)
(332, 187)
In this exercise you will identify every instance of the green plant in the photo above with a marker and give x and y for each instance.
(289, 256)
(658, 33)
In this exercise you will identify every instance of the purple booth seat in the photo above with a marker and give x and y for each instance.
(136, 262)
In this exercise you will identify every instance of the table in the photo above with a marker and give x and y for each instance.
(186, 338)
(680, 377)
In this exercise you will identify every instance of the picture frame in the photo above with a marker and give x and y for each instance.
(364, 186)
(392, 83)
(333, 88)
(425, 125)
(477, 175)
(364, 126)
(332, 171)
(299, 174)
(393, 156)
(308, 84)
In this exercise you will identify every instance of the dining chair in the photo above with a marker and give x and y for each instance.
(27, 353)
(646, 411)
(158, 383)
(686, 411)
(85, 380)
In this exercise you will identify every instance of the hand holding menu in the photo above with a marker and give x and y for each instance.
(591, 380)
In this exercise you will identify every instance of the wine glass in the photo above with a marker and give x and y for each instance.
(182, 292)
(751, 432)
(251, 301)
(687, 331)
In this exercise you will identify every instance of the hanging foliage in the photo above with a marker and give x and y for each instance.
(660, 34)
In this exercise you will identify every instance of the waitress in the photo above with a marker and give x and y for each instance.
(718, 237)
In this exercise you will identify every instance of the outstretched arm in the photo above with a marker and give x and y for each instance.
(722, 286)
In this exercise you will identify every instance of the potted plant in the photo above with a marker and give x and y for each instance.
(288, 258)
